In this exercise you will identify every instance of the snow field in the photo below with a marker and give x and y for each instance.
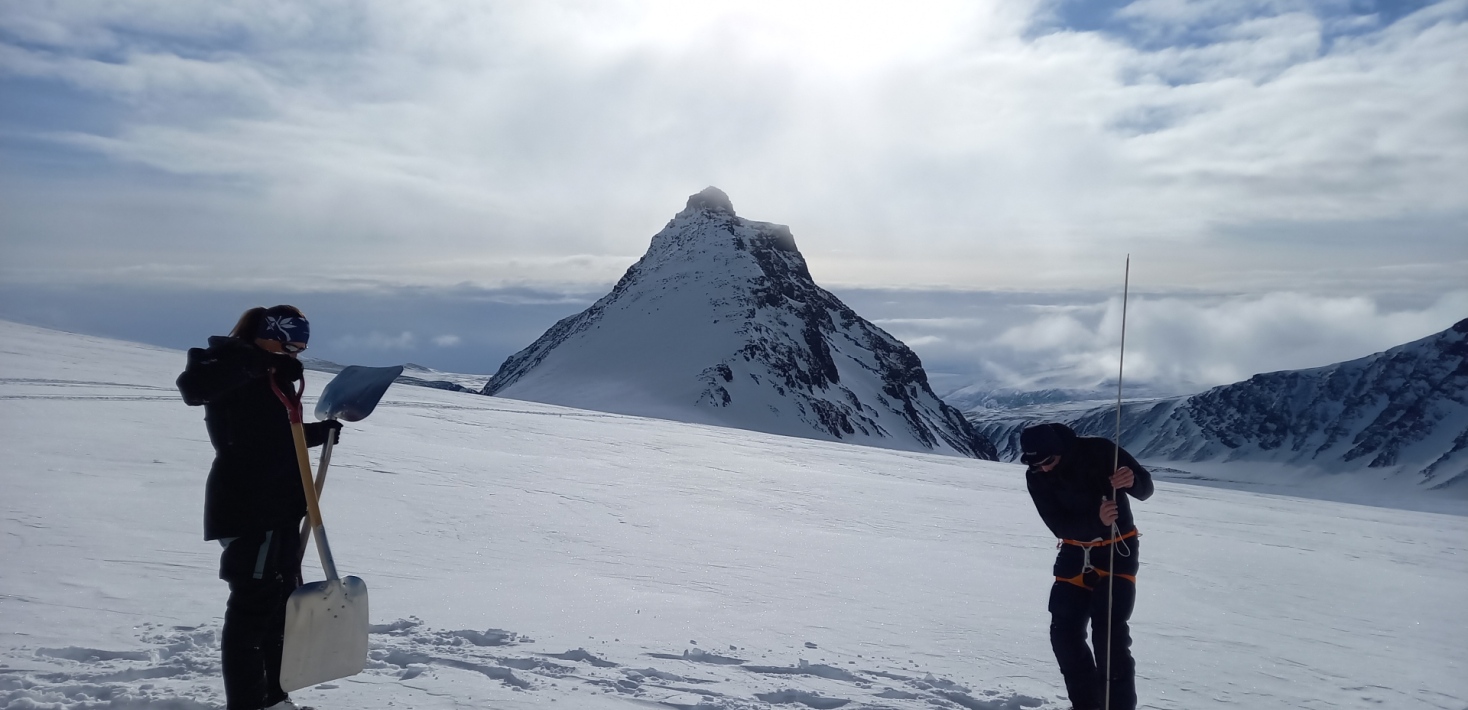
(525, 555)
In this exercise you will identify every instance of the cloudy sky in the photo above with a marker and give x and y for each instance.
(439, 181)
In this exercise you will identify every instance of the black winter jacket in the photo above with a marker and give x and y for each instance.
(255, 482)
(1069, 497)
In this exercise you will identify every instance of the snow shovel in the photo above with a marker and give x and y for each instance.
(350, 396)
(325, 622)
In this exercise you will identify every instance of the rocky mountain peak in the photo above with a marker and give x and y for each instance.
(721, 323)
(709, 221)
(710, 199)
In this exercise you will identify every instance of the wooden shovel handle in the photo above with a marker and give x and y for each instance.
(303, 459)
(320, 484)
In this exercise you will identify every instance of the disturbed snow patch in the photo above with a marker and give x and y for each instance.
(177, 668)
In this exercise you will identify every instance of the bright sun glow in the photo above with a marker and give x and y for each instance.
(842, 37)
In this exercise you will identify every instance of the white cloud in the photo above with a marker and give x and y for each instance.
(447, 341)
(939, 144)
(933, 323)
(1206, 342)
(1047, 333)
(924, 341)
(375, 340)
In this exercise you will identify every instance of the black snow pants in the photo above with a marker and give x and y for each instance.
(262, 569)
(1078, 603)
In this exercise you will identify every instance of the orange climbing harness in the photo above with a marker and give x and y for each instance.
(1098, 542)
(1086, 566)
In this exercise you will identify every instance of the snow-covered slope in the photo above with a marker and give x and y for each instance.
(1402, 412)
(415, 375)
(721, 323)
(522, 555)
(420, 376)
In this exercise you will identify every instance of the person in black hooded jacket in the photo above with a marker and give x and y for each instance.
(253, 499)
(1081, 487)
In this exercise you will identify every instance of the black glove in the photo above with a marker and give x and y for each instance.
(333, 431)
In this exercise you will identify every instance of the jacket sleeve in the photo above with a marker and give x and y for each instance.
(1142, 486)
(209, 374)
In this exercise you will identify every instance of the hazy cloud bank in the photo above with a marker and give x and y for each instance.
(459, 329)
(994, 339)
(1175, 343)
(440, 182)
(944, 143)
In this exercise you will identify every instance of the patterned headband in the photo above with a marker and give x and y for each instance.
(285, 327)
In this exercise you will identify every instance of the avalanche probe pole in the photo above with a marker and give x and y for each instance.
(1115, 462)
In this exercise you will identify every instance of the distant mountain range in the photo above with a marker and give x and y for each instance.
(1399, 412)
(413, 374)
(989, 396)
(721, 323)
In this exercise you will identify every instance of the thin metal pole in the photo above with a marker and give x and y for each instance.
(1115, 463)
(320, 484)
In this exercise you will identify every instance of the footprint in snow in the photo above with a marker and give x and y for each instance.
(178, 668)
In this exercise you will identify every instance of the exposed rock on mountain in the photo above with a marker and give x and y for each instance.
(721, 323)
(1403, 410)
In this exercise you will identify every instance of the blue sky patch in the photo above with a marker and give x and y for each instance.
(1193, 24)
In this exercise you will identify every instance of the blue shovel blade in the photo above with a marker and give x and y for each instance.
(355, 391)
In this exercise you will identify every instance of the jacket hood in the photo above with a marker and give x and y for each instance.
(1041, 441)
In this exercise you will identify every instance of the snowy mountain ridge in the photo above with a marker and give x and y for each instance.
(721, 323)
(990, 396)
(1401, 411)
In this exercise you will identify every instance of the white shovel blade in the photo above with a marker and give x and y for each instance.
(325, 633)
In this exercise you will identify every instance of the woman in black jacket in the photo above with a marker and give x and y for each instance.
(253, 501)
(1072, 480)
